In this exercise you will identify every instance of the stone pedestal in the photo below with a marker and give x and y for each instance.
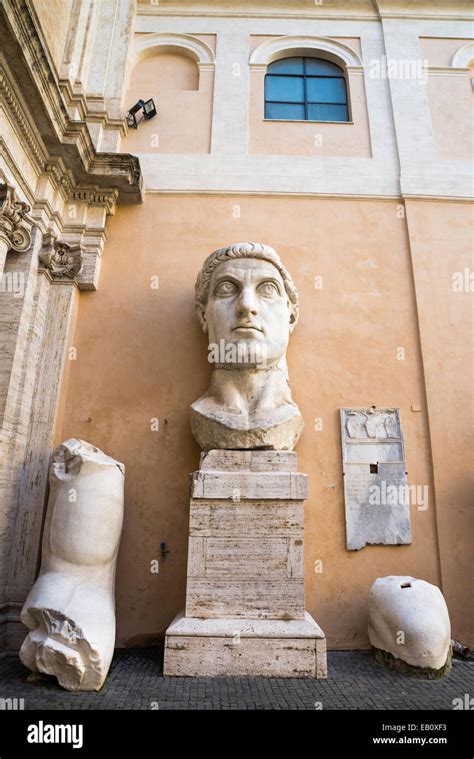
(244, 610)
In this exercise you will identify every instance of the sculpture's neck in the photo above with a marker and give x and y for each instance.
(250, 390)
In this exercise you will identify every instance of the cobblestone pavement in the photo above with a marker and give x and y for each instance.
(135, 681)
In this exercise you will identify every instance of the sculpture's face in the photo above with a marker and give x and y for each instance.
(248, 308)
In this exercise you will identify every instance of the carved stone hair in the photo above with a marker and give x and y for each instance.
(245, 250)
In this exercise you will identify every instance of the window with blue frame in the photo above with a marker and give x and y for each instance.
(305, 89)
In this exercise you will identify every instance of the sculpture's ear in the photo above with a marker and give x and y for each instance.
(293, 316)
(201, 312)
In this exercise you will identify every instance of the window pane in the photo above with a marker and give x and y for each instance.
(316, 66)
(327, 112)
(326, 90)
(286, 66)
(289, 111)
(287, 88)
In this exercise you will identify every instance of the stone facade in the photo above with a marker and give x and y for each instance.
(57, 188)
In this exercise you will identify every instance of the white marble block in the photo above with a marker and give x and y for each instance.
(70, 610)
(245, 610)
(409, 621)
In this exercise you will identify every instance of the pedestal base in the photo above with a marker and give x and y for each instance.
(245, 647)
(245, 613)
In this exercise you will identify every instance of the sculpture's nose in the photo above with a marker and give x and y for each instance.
(247, 302)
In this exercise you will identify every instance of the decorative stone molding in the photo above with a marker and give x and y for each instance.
(71, 151)
(283, 47)
(13, 214)
(363, 12)
(96, 197)
(8, 97)
(464, 58)
(61, 259)
(424, 9)
(185, 44)
(61, 178)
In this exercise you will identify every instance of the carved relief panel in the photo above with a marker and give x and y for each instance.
(376, 492)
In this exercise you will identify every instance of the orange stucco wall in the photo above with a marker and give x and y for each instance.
(141, 354)
(441, 241)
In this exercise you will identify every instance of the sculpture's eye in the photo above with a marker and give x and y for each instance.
(225, 288)
(268, 290)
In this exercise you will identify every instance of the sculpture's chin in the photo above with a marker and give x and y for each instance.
(277, 430)
(240, 354)
(241, 366)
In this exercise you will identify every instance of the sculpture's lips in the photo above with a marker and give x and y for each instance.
(246, 328)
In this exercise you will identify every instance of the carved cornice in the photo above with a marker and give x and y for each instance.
(7, 94)
(95, 197)
(62, 179)
(62, 261)
(68, 141)
(13, 214)
(89, 108)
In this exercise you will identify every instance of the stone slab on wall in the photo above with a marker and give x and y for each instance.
(376, 494)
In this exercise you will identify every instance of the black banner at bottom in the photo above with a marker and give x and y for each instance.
(140, 733)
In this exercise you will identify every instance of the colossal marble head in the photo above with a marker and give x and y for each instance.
(248, 304)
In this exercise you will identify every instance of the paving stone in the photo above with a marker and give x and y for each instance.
(136, 680)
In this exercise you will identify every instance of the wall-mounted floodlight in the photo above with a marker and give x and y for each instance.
(149, 110)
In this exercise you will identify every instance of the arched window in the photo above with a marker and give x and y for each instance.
(306, 89)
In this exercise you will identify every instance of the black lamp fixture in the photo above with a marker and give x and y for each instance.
(149, 110)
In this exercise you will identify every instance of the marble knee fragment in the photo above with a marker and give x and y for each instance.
(409, 626)
(70, 610)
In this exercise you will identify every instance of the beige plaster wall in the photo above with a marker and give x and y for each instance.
(183, 99)
(451, 100)
(438, 51)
